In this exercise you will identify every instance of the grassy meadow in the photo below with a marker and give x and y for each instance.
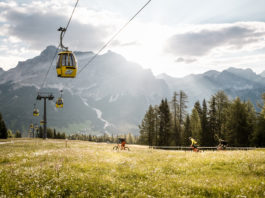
(37, 168)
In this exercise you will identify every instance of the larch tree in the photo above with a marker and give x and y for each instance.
(187, 131)
(222, 103)
(175, 109)
(204, 123)
(183, 99)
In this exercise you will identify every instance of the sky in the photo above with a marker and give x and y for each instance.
(175, 37)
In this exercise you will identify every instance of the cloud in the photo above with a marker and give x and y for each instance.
(37, 27)
(185, 60)
(224, 37)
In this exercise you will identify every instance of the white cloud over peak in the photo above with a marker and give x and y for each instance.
(207, 39)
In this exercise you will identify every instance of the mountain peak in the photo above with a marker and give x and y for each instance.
(49, 51)
(212, 73)
(240, 71)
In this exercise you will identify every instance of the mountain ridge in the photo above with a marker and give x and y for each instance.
(111, 94)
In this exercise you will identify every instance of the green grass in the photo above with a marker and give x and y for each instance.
(37, 168)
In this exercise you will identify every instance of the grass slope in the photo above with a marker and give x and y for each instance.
(37, 168)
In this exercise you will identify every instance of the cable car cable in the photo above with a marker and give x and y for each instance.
(44, 80)
(71, 16)
(113, 37)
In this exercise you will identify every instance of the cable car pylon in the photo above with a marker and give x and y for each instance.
(45, 96)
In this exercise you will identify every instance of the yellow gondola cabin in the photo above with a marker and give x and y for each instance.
(66, 65)
(36, 112)
(59, 103)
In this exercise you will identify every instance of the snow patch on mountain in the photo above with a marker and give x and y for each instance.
(114, 98)
(99, 116)
(84, 101)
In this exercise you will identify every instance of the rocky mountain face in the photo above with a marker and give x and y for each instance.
(110, 95)
(1, 71)
(262, 74)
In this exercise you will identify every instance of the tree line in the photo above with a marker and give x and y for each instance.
(130, 138)
(236, 121)
(3, 129)
(53, 134)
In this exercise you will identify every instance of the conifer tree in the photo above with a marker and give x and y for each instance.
(50, 133)
(238, 127)
(222, 103)
(198, 107)
(54, 133)
(165, 123)
(183, 99)
(258, 137)
(157, 124)
(187, 131)
(204, 124)
(195, 125)
(3, 129)
(147, 127)
(41, 132)
(251, 120)
(263, 109)
(213, 128)
(18, 134)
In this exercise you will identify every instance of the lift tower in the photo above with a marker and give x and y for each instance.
(45, 96)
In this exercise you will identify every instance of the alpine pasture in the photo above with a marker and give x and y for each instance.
(56, 168)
